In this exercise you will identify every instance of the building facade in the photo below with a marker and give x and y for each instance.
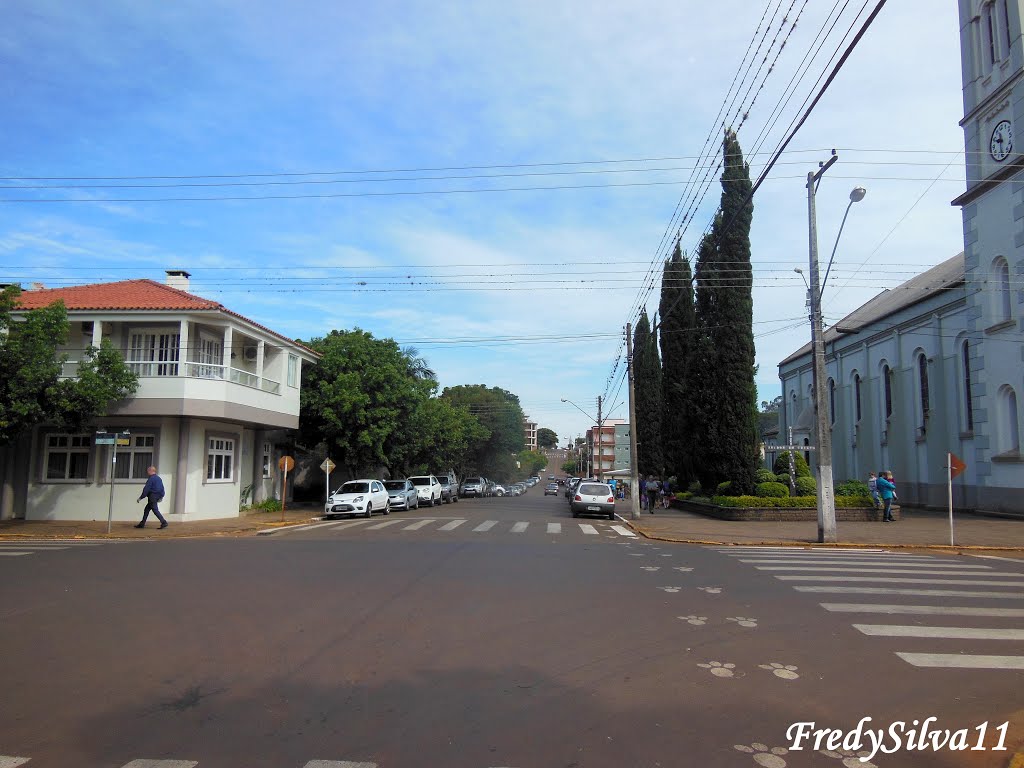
(529, 434)
(217, 396)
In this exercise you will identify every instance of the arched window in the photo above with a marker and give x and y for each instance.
(922, 385)
(856, 396)
(965, 371)
(887, 390)
(831, 401)
(1001, 270)
(1009, 430)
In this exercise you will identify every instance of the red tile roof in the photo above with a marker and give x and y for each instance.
(132, 295)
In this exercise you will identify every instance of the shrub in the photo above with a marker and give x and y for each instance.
(782, 464)
(772, 489)
(694, 487)
(267, 505)
(783, 478)
(725, 489)
(764, 476)
(853, 488)
(806, 486)
(790, 502)
(683, 495)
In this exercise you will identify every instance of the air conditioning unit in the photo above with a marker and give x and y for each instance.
(250, 353)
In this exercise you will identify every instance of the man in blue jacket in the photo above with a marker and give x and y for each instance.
(887, 488)
(153, 492)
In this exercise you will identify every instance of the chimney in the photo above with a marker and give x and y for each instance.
(178, 278)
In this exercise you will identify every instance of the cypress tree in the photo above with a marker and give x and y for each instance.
(701, 373)
(678, 329)
(647, 372)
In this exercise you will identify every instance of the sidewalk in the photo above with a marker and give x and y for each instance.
(247, 524)
(918, 528)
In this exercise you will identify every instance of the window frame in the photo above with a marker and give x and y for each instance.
(857, 402)
(212, 450)
(293, 370)
(128, 453)
(965, 387)
(1008, 433)
(68, 449)
(268, 461)
(923, 390)
(156, 359)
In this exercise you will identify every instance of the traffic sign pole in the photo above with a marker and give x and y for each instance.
(327, 466)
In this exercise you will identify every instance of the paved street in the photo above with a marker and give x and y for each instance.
(494, 632)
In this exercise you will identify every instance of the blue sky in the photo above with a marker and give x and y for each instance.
(529, 289)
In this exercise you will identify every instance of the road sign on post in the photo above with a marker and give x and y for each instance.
(113, 439)
(328, 467)
(286, 464)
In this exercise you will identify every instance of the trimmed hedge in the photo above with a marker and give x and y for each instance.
(764, 476)
(783, 477)
(806, 486)
(790, 502)
(782, 464)
(772, 489)
(853, 488)
(725, 489)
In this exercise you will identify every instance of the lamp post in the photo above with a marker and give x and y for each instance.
(599, 433)
(823, 435)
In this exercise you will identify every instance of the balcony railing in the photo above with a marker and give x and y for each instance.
(191, 370)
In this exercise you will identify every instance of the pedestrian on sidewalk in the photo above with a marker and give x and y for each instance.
(653, 488)
(666, 494)
(873, 488)
(888, 491)
(643, 493)
(153, 492)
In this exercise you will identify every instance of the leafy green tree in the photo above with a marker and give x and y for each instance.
(678, 341)
(649, 409)
(532, 462)
(440, 435)
(31, 390)
(547, 438)
(501, 416)
(569, 467)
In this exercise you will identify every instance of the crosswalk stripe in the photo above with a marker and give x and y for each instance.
(451, 526)
(419, 524)
(383, 524)
(13, 554)
(344, 524)
(485, 526)
(946, 633)
(623, 531)
(894, 563)
(962, 661)
(899, 569)
(554, 527)
(34, 548)
(337, 764)
(923, 610)
(915, 592)
(520, 527)
(588, 528)
(892, 580)
(7, 761)
(161, 764)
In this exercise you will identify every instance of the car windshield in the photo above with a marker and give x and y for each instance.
(552, 485)
(592, 489)
(395, 485)
(354, 488)
(420, 480)
(472, 480)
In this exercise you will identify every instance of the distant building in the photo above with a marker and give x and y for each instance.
(529, 434)
(606, 449)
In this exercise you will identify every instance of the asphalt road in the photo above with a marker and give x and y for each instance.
(514, 638)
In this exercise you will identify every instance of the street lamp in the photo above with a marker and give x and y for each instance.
(600, 436)
(825, 492)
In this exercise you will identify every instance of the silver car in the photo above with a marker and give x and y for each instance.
(593, 499)
(402, 494)
(358, 497)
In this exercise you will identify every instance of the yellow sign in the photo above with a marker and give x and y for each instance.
(328, 466)
(286, 463)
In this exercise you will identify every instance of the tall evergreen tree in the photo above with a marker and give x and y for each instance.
(678, 329)
(701, 386)
(649, 408)
(726, 315)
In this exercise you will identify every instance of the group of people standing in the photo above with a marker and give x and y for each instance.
(883, 491)
(654, 493)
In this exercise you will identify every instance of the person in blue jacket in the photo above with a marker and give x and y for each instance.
(887, 488)
(153, 492)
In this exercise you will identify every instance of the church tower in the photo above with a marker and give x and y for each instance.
(990, 352)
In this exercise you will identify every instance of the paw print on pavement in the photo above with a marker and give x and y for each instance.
(850, 758)
(681, 568)
(636, 554)
(743, 621)
(718, 669)
(650, 568)
(672, 590)
(665, 554)
(785, 671)
(696, 620)
(769, 758)
(711, 590)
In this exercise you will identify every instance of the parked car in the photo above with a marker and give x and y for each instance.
(449, 488)
(427, 488)
(551, 489)
(358, 497)
(473, 486)
(593, 499)
(489, 487)
(402, 494)
(570, 486)
(500, 490)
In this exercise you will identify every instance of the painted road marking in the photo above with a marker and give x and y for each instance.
(889, 580)
(13, 554)
(909, 562)
(588, 528)
(345, 524)
(337, 764)
(385, 524)
(12, 762)
(755, 548)
(623, 531)
(554, 527)
(32, 547)
(923, 610)
(419, 524)
(903, 567)
(962, 661)
(915, 592)
(161, 764)
(485, 526)
(948, 633)
(520, 527)
(451, 526)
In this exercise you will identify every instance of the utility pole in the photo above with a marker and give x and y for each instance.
(600, 442)
(825, 493)
(634, 480)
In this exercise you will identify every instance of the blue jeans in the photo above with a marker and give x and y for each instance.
(152, 500)
(887, 513)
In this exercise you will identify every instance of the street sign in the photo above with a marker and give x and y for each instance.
(328, 466)
(286, 463)
(105, 438)
(789, 447)
(956, 465)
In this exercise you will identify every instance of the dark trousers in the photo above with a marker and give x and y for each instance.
(151, 504)
(887, 513)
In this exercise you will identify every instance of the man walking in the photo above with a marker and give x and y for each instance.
(153, 492)
(887, 488)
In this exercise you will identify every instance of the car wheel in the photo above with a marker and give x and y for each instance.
(575, 513)
(417, 503)
(369, 511)
(611, 515)
(455, 498)
(387, 507)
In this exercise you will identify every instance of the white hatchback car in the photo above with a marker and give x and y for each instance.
(358, 497)
(427, 488)
(593, 499)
